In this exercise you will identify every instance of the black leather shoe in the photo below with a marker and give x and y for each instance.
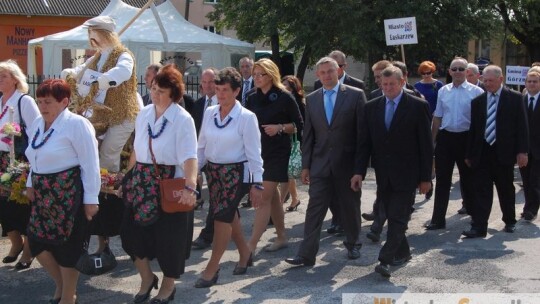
(200, 244)
(354, 252)
(401, 261)
(54, 301)
(462, 210)
(383, 270)
(429, 194)
(164, 301)
(335, 229)
(142, 298)
(510, 228)
(299, 261)
(528, 216)
(368, 216)
(11, 259)
(433, 226)
(373, 236)
(23, 265)
(202, 283)
(474, 233)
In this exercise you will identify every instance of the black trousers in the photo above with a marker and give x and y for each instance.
(321, 192)
(397, 207)
(531, 184)
(450, 150)
(491, 171)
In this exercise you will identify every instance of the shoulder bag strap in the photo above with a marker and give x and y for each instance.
(153, 158)
(21, 120)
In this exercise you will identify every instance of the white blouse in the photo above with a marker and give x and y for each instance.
(174, 146)
(29, 112)
(239, 141)
(73, 143)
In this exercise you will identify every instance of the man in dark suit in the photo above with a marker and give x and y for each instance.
(245, 66)
(396, 135)
(530, 174)
(208, 91)
(473, 75)
(344, 78)
(334, 115)
(498, 137)
(149, 75)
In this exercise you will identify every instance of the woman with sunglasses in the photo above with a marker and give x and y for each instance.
(428, 86)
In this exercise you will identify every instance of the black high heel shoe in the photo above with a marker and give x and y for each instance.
(23, 265)
(164, 301)
(293, 208)
(11, 259)
(202, 283)
(141, 298)
(238, 270)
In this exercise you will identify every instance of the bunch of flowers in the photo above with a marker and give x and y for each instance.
(10, 128)
(110, 182)
(13, 182)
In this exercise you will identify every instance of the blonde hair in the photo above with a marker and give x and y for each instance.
(16, 72)
(110, 37)
(270, 68)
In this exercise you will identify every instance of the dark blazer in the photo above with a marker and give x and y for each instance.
(146, 99)
(401, 156)
(534, 128)
(239, 96)
(512, 135)
(349, 80)
(378, 93)
(332, 150)
(197, 112)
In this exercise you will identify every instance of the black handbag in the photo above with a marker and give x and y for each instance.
(21, 142)
(97, 263)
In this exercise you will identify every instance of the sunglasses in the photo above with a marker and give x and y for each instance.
(427, 73)
(457, 69)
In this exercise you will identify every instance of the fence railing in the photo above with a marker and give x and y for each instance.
(191, 84)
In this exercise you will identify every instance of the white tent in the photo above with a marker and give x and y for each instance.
(142, 37)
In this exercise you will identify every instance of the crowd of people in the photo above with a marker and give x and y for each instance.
(238, 135)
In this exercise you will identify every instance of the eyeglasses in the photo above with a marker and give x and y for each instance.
(457, 69)
(258, 75)
(427, 73)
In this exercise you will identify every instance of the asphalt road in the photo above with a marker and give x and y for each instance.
(442, 262)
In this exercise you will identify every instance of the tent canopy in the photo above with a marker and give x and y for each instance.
(143, 36)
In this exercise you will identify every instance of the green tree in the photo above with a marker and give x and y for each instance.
(522, 19)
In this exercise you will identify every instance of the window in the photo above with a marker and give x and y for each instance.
(212, 29)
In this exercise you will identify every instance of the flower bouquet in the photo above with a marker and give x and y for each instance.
(13, 182)
(110, 182)
(10, 129)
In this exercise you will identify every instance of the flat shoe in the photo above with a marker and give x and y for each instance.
(23, 265)
(275, 246)
(202, 283)
(11, 259)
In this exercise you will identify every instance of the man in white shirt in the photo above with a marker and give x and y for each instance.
(450, 130)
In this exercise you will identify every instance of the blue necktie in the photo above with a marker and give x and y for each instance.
(244, 92)
(390, 109)
(328, 105)
(490, 122)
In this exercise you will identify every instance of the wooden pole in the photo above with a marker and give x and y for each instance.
(403, 54)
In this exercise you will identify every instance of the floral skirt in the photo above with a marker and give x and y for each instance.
(226, 187)
(58, 197)
(141, 192)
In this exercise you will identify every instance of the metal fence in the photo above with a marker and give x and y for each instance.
(191, 84)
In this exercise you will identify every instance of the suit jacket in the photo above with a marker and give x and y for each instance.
(332, 150)
(197, 112)
(511, 127)
(349, 80)
(378, 93)
(239, 96)
(146, 99)
(401, 156)
(534, 128)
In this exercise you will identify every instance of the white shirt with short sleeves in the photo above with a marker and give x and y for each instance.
(454, 106)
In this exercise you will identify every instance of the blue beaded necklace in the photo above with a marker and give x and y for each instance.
(34, 146)
(223, 125)
(163, 125)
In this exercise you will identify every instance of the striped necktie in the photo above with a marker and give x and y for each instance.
(491, 120)
(245, 89)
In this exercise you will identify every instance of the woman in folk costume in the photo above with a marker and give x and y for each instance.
(63, 186)
(116, 79)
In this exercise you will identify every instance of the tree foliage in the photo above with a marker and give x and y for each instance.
(312, 28)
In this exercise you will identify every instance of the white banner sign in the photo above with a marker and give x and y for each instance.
(88, 77)
(400, 31)
(516, 74)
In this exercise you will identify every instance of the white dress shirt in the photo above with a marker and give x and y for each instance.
(213, 101)
(454, 106)
(29, 112)
(174, 146)
(120, 73)
(239, 141)
(73, 143)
